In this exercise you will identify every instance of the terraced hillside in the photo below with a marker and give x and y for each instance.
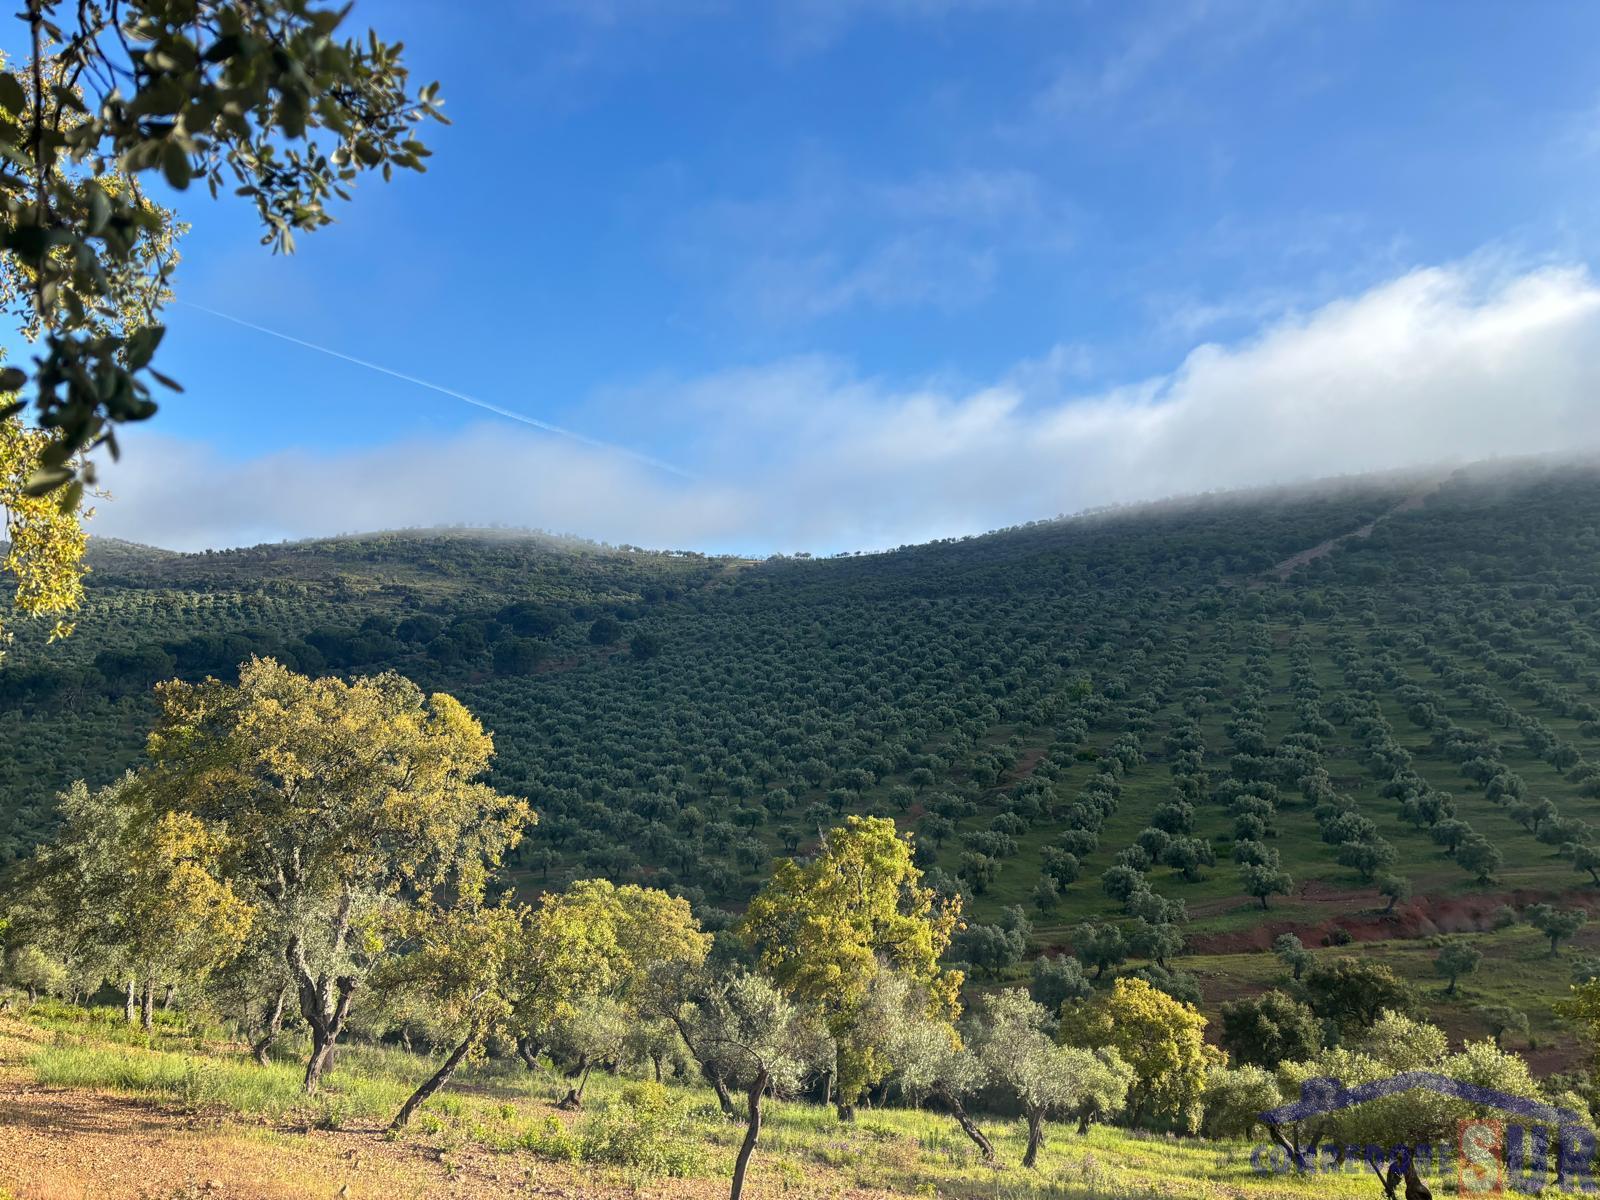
(1132, 719)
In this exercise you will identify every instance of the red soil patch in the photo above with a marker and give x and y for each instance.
(1423, 916)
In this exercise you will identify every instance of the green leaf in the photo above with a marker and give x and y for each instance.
(141, 345)
(175, 166)
(71, 496)
(12, 97)
(99, 208)
(43, 482)
(55, 455)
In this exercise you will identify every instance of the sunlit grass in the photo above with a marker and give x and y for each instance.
(508, 1110)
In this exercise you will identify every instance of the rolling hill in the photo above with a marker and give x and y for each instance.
(1379, 677)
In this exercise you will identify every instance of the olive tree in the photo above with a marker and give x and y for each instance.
(1456, 959)
(928, 1056)
(587, 964)
(1293, 954)
(760, 1041)
(1046, 1079)
(1417, 1116)
(1556, 924)
(1262, 880)
(1235, 1098)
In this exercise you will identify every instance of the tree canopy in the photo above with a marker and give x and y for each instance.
(823, 928)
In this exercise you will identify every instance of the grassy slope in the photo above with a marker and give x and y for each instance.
(246, 1129)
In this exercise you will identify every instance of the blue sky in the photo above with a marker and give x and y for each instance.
(877, 270)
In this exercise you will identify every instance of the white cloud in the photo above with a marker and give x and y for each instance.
(1441, 364)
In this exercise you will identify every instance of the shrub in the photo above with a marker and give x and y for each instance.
(550, 1139)
(647, 1130)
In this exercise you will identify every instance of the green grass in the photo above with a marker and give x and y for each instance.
(804, 1150)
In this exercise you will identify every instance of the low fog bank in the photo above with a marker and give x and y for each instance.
(1443, 365)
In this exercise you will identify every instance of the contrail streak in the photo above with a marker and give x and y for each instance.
(507, 413)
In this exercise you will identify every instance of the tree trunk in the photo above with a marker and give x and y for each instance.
(573, 1100)
(1301, 1156)
(130, 1005)
(1390, 1179)
(655, 1061)
(720, 1086)
(968, 1125)
(846, 1109)
(751, 1133)
(581, 1067)
(528, 1052)
(166, 999)
(711, 1075)
(435, 1081)
(325, 1005)
(147, 1006)
(271, 1027)
(321, 1059)
(1136, 1112)
(1035, 1137)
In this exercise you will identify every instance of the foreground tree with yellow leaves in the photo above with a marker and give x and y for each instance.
(50, 289)
(824, 929)
(590, 953)
(464, 963)
(1160, 1038)
(221, 92)
(340, 802)
(132, 893)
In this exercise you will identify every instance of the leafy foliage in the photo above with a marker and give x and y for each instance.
(226, 94)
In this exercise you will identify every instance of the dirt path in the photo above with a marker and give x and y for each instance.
(65, 1144)
(76, 1144)
(1281, 571)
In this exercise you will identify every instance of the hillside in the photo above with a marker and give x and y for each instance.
(1056, 689)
